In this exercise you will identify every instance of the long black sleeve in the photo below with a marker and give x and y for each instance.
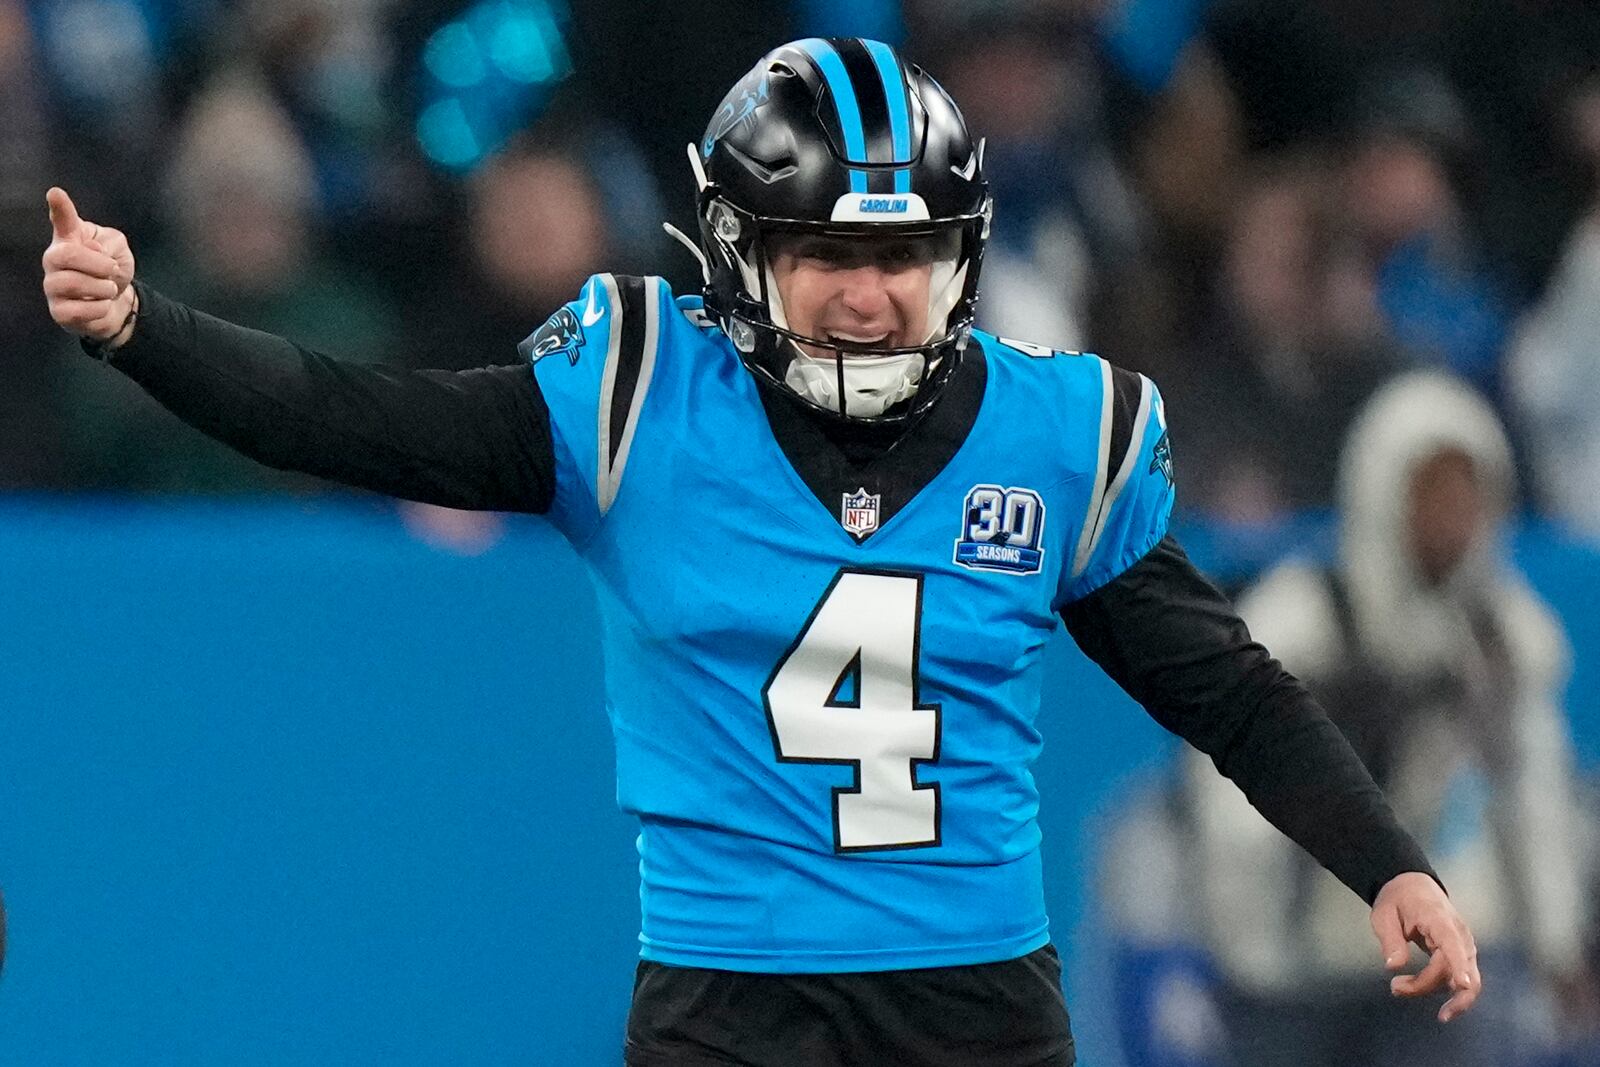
(1175, 644)
(475, 439)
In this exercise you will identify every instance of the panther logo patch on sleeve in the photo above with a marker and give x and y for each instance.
(561, 333)
(1162, 458)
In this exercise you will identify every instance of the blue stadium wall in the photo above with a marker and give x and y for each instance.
(281, 784)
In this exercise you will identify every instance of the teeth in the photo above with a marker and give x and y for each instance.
(858, 340)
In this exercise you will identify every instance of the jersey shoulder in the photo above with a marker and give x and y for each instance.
(616, 315)
(1078, 387)
(1072, 377)
(594, 360)
(1116, 422)
(1008, 347)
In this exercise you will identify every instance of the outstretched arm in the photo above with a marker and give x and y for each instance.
(1175, 645)
(471, 439)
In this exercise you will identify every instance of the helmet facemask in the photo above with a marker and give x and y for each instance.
(858, 379)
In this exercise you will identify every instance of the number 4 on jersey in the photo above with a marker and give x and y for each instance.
(865, 630)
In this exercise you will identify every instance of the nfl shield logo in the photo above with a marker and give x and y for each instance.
(859, 513)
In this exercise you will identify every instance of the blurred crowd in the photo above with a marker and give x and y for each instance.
(1270, 208)
(1447, 673)
(1332, 228)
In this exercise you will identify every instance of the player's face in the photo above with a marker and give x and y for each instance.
(870, 292)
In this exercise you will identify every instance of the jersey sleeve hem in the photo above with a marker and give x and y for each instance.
(1110, 570)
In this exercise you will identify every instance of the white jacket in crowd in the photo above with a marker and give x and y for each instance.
(1465, 679)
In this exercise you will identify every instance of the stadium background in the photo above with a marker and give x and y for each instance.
(289, 774)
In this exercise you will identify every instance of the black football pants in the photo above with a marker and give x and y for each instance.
(1009, 1014)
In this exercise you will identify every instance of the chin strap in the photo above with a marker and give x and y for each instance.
(699, 168)
(860, 387)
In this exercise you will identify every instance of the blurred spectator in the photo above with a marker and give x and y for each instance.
(1185, 154)
(547, 211)
(1189, 150)
(327, 65)
(659, 79)
(30, 451)
(1288, 66)
(1153, 980)
(1298, 67)
(1260, 396)
(1554, 372)
(1410, 150)
(240, 201)
(538, 230)
(1444, 670)
(1031, 83)
(101, 62)
(535, 230)
(24, 122)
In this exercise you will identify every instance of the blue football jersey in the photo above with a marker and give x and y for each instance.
(823, 678)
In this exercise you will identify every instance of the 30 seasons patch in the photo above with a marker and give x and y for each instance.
(1002, 529)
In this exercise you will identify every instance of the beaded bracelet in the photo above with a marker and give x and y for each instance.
(102, 350)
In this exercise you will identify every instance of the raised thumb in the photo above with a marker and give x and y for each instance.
(63, 214)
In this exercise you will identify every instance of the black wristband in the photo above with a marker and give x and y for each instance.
(102, 350)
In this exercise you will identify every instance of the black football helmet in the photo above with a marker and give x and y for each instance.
(842, 138)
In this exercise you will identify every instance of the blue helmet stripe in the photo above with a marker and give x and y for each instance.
(894, 91)
(844, 102)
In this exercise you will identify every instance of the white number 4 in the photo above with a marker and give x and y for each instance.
(866, 628)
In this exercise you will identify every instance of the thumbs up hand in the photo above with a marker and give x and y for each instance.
(88, 269)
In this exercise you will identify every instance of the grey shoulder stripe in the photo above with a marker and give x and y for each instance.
(630, 364)
(1130, 459)
(1080, 558)
(608, 381)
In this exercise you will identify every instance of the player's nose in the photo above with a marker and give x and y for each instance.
(865, 291)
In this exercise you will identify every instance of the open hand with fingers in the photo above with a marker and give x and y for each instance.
(1413, 908)
(88, 275)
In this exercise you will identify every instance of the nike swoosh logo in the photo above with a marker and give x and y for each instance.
(591, 314)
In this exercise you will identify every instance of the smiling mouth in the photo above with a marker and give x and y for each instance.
(845, 340)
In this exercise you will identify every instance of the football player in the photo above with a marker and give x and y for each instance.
(825, 619)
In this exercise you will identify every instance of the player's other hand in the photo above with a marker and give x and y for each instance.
(88, 271)
(1412, 908)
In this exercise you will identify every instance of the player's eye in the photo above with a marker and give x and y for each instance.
(900, 255)
(822, 252)
(834, 255)
(847, 254)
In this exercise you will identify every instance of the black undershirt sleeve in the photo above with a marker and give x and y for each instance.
(1175, 644)
(477, 439)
